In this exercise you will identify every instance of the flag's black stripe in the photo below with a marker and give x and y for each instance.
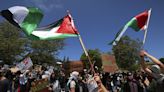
(52, 25)
(9, 17)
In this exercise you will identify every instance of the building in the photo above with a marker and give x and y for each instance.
(109, 63)
(76, 66)
(73, 66)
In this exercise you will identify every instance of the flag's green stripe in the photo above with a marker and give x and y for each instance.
(133, 24)
(33, 37)
(32, 20)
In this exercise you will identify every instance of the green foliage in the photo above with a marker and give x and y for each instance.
(14, 47)
(162, 60)
(11, 43)
(39, 58)
(45, 51)
(51, 47)
(95, 56)
(127, 53)
(134, 67)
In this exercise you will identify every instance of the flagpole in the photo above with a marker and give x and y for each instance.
(82, 44)
(147, 26)
(86, 53)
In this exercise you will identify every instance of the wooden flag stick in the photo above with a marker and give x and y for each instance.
(82, 44)
(147, 24)
(86, 53)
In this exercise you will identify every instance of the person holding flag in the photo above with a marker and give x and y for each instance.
(155, 71)
(153, 59)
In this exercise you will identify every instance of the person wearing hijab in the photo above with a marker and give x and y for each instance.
(73, 82)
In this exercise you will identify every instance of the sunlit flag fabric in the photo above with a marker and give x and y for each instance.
(62, 28)
(137, 23)
(26, 18)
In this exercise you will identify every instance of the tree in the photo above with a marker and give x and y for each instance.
(14, 46)
(95, 56)
(162, 60)
(45, 51)
(11, 43)
(127, 53)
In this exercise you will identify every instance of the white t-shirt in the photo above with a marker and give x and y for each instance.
(72, 84)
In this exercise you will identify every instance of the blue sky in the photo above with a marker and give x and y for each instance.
(99, 20)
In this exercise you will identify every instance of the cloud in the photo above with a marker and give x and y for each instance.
(47, 5)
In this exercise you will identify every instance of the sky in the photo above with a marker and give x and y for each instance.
(99, 20)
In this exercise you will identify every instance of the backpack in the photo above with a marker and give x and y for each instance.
(76, 86)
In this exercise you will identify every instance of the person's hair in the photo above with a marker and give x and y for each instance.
(162, 62)
(8, 74)
(1, 74)
(18, 72)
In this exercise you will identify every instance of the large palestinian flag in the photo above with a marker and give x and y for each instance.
(62, 28)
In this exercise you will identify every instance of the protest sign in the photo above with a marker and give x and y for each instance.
(25, 64)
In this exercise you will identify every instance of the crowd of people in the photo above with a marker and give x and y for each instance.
(150, 79)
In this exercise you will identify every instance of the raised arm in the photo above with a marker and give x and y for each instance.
(145, 68)
(101, 87)
(155, 60)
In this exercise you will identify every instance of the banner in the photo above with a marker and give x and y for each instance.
(25, 64)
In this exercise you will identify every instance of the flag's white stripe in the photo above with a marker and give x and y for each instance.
(120, 35)
(19, 13)
(54, 30)
(114, 43)
(45, 34)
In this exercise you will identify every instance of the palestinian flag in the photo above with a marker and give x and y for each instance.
(137, 23)
(26, 18)
(62, 28)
